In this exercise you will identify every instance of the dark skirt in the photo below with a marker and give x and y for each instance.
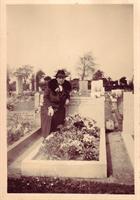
(50, 124)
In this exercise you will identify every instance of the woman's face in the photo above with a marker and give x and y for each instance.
(60, 80)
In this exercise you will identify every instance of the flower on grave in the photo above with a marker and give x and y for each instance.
(26, 130)
(95, 131)
(73, 141)
(88, 139)
(68, 118)
(91, 154)
(76, 143)
(70, 142)
(71, 148)
(49, 137)
(18, 127)
(89, 123)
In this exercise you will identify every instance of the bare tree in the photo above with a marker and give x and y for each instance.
(86, 66)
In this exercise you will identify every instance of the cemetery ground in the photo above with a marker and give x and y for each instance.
(120, 172)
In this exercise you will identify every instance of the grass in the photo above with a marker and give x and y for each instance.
(65, 185)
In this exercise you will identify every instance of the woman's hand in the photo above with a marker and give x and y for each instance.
(59, 89)
(50, 111)
(67, 102)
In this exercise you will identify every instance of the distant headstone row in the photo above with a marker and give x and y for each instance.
(96, 89)
(85, 86)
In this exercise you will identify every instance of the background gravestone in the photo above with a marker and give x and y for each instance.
(83, 88)
(97, 88)
(19, 85)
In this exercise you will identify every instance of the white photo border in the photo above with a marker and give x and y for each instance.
(3, 67)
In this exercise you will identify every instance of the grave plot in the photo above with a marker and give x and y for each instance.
(85, 107)
(22, 121)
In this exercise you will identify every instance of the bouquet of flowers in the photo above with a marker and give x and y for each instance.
(78, 139)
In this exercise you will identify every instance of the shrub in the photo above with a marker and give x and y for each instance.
(17, 127)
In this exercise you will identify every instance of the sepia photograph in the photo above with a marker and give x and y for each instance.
(70, 99)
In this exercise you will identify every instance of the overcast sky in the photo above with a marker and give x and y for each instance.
(49, 36)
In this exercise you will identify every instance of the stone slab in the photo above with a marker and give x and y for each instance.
(129, 145)
(128, 124)
(88, 107)
(128, 113)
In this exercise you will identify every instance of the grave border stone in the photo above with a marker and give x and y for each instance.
(73, 168)
(67, 168)
(16, 147)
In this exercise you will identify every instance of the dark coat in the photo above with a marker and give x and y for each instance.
(56, 99)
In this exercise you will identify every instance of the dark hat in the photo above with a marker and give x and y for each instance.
(60, 73)
(47, 78)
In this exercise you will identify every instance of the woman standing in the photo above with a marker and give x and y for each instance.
(56, 96)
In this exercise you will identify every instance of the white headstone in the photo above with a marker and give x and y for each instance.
(97, 88)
